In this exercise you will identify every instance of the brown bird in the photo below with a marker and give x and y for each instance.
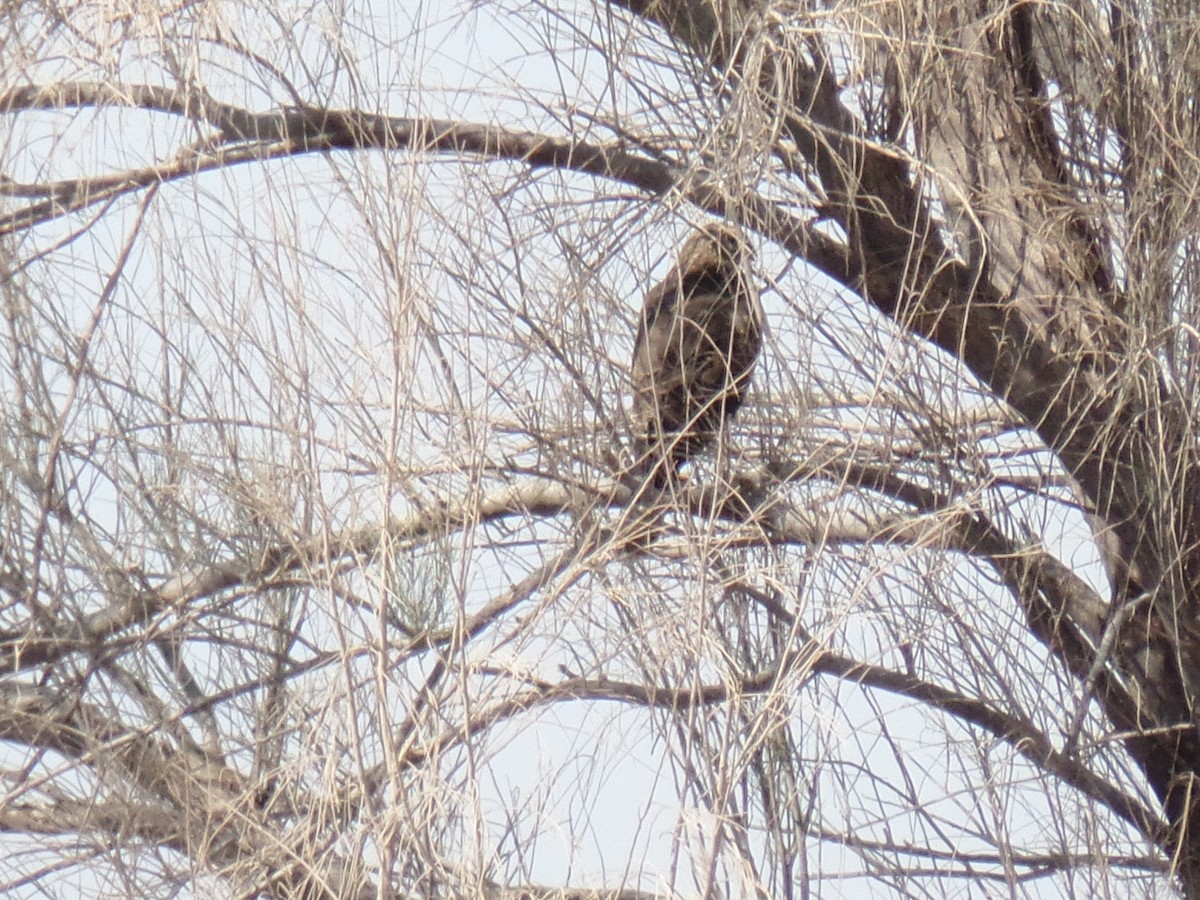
(699, 336)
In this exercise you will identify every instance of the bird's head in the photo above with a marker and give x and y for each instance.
(714, 243)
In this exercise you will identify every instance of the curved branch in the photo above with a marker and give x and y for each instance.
(240, 136)
(750, 497)
(811, 657)
(22, 650)
(746, 499)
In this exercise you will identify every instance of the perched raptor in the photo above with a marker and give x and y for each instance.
(699, 335)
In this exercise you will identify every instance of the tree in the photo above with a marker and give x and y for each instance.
(319, 567)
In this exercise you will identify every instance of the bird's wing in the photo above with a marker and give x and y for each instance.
(660, 301)
(664, 297)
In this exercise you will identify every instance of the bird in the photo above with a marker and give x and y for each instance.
(698, 338)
